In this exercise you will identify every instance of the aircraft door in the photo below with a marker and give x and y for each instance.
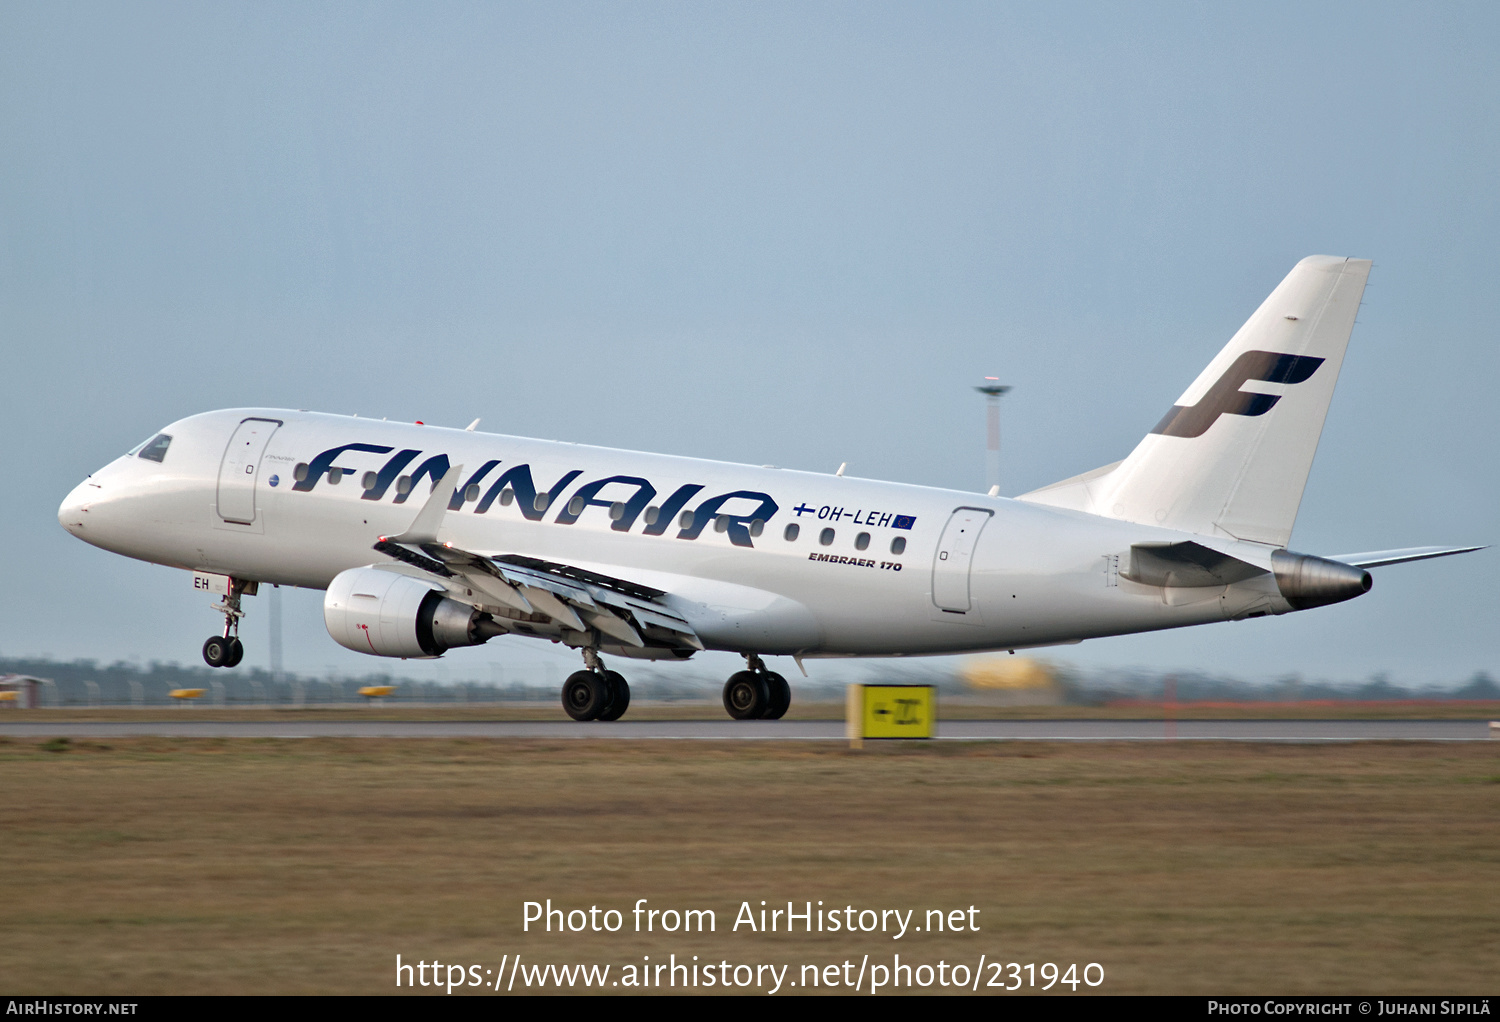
(955, 553)
(241, 465)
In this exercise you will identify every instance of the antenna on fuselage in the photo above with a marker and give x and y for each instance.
(992, 389)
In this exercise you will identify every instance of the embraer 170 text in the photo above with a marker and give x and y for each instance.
(426, 539)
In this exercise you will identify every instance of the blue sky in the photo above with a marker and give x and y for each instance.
(790, 234)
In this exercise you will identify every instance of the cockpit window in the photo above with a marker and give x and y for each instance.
(155, 449)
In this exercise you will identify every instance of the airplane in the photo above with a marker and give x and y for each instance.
(427, 539)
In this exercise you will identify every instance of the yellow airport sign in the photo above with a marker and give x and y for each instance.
(891, 711)
(186, 693)
(9, 697)
(377, 691)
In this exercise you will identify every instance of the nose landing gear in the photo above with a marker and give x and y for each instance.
(226, 650)
(756, 694)
(595, 693)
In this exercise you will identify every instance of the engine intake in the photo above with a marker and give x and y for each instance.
(1307, 581)
(370, 610)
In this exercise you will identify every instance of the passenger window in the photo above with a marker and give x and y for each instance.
(721, 523)
(403, 485)
(369, 480)
(472, 493)
(156, 447)
(862, 541)
(790, 532)
(898, 545)
(757, 527)
(506, 496)
(617, 510)
(685, 521)
(652, 514)
(334, 475)
(826, 537)
(300, 472)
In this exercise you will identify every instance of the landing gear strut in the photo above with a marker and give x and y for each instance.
(226, 650)
(756, 693)
(595, 693)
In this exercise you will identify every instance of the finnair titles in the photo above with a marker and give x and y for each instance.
(444, 538)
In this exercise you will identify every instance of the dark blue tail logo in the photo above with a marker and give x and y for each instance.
(1226, 398)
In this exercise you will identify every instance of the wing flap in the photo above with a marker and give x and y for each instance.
(616, 627)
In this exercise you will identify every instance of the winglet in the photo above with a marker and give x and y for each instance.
(424, 528)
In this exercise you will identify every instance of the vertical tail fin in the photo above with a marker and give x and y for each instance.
(1231, 457)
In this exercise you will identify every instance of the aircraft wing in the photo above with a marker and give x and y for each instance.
(534, 591)
(1380, 558)
(573, 599)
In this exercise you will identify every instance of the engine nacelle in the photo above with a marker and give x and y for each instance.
(1306, 581)
(370, 610)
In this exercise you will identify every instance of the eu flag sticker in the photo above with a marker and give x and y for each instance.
(904, 521)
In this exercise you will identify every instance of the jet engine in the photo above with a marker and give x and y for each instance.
(370, 610)
(1307, 581)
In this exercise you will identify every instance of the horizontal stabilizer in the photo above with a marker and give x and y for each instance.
(1380, 558)
(1186, 565)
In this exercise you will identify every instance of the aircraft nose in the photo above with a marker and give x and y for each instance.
(73, 513)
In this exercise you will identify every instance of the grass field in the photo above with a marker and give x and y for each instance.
(276, 866)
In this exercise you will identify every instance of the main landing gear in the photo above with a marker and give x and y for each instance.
(594, 693)
(756, 694)
(226, 650)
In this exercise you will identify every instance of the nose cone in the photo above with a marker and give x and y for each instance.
(74, 512)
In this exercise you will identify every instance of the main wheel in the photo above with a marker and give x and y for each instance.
(746, 696)
(216, 651)
(781, 696)
(585, 695)
(236, 652)
(619, 697)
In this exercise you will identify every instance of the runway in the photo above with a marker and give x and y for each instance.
(783, 730)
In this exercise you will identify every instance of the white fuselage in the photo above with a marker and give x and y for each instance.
(1035, 576)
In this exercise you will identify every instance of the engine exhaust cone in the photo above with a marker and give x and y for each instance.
(1307, 581)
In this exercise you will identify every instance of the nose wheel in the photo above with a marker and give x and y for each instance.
(226, 650)
(756, 694)
(223, 651)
